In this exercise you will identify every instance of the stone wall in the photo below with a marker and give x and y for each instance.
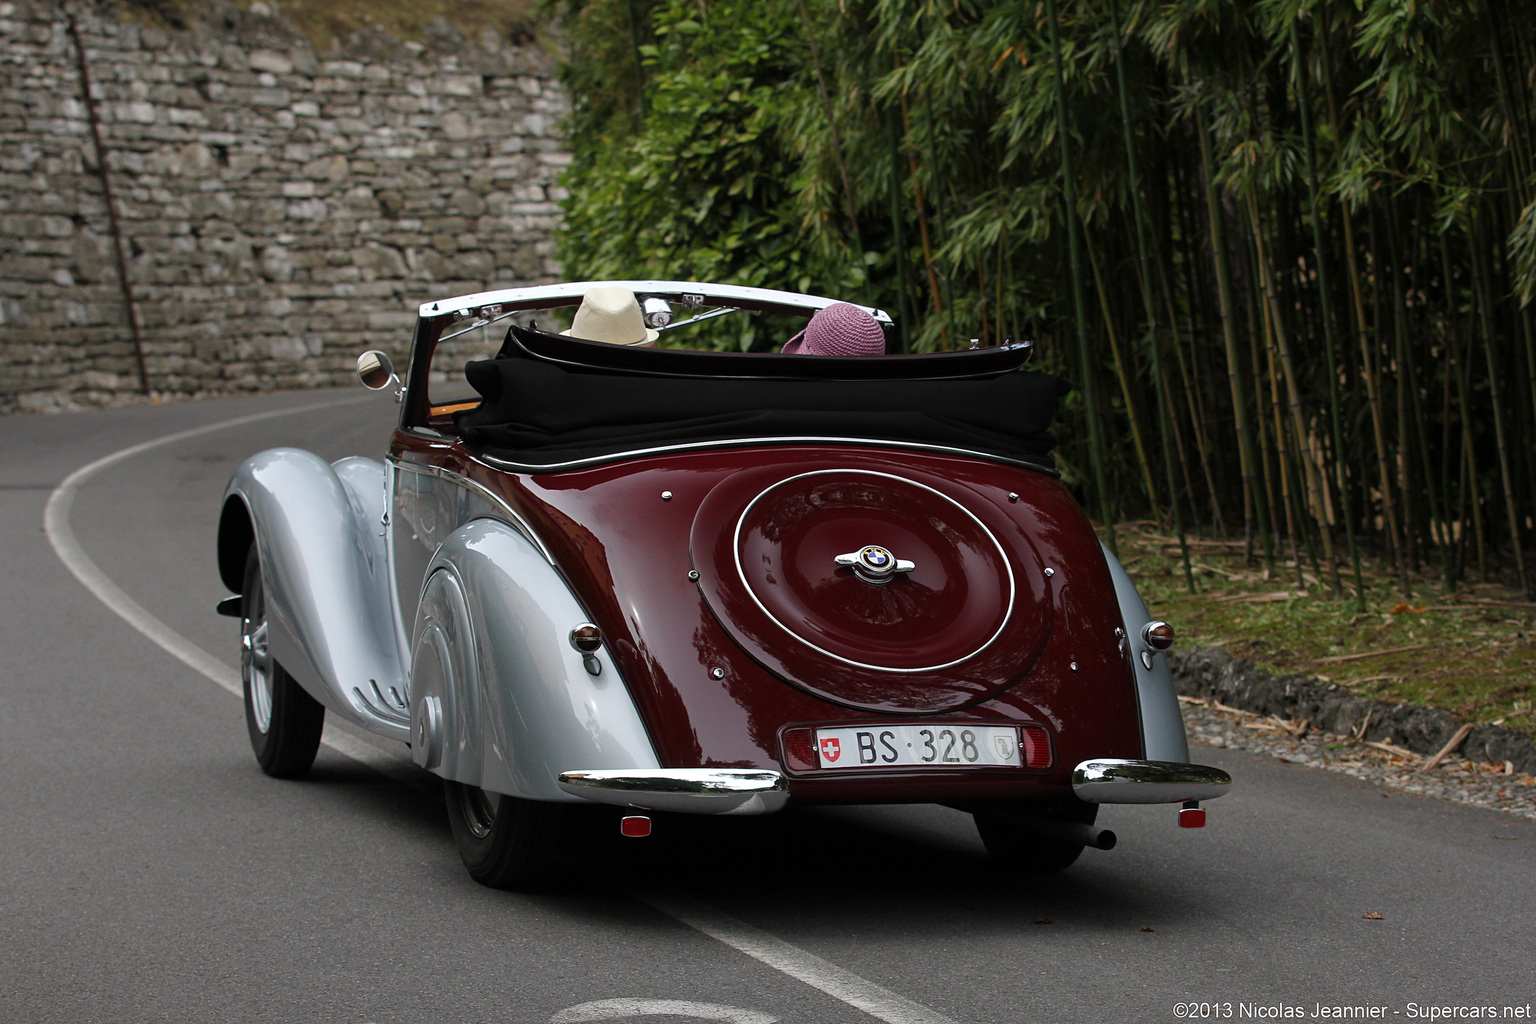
(281, 209)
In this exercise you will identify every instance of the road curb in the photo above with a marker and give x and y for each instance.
(1213, 674)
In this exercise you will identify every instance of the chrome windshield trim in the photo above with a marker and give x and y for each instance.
(1113, 780)
(573, 290)
(685, 790)
(741, 573)
(514, 519)
(748, 442)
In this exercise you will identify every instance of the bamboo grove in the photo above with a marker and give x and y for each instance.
(1283, 248)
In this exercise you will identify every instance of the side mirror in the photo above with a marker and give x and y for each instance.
(376, 371)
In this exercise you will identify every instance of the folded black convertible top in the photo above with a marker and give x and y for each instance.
(549, 402)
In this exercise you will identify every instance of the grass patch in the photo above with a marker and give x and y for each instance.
(1471, 652)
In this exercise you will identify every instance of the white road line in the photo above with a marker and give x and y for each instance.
(62, 536)
(840, 984)
(623, 1009)
(836, 982)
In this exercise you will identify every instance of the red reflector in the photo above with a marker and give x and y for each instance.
(1192, 817)
(800, 749)
(1037, 746)
(636, 826)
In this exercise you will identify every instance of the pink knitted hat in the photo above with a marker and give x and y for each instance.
(839, 330)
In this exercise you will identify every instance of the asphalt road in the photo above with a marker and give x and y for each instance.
(150, 872)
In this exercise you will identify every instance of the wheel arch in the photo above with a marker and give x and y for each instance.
(326, 576)
(236, 535)
(1162, 723)
(535, 710)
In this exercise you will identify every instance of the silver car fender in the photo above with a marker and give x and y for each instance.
(326, 574)
(1162, 723)
(499, 698)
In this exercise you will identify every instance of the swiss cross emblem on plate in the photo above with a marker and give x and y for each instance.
(831, 749)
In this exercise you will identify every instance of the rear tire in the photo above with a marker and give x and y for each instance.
(1015, 846)
(283, 721)
(505, 842)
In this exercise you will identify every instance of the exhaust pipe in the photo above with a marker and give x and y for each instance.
(1075, 831)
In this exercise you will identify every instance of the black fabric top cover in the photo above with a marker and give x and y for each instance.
(549, 401)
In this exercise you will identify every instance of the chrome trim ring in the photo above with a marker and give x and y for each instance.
(1124, 781)
(747, 586)
(685, 790)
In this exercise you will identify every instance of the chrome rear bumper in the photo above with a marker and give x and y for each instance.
(686, 790)
(1121, 781)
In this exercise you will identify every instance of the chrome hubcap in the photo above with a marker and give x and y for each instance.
(256, 669)
(479, 810)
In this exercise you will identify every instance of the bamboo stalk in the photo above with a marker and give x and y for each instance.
(1153, 343)
(905, 330)
(1251, 514)
(1122, 373)
(1311, 474)
(1259, 329)
(1485, 315)
(1273, 379)
(1196, 419)
(1074, 245)
(922, 221)
(1335, 417)
(1404, 381)
(1368, 368)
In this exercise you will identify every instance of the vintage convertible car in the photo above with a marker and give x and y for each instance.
(704, 582)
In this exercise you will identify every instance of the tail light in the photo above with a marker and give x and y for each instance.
(1036, 746)
(800, 749)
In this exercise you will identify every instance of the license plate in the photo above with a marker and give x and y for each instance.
(938, 745)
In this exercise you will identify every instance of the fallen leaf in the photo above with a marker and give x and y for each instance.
(1372, 915)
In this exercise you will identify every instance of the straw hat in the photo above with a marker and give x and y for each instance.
(840, 329)
(611, 313)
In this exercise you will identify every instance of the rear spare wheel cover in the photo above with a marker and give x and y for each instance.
(952, 607)
(946, 610)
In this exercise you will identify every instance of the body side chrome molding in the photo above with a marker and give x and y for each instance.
(1113, 780)
(685, 790)
(514, 518)
(750, 442)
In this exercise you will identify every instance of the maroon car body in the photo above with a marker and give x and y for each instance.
(801, 576)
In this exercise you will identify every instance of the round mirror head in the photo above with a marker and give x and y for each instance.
(375, 370)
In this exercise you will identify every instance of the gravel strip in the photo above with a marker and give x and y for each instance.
(1454, 778)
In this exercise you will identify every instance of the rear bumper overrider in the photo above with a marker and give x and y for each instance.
(685, 790)
(1109, 780)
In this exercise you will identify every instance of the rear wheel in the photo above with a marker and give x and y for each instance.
(505, 842)
(1021, 840)
(283, 721)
